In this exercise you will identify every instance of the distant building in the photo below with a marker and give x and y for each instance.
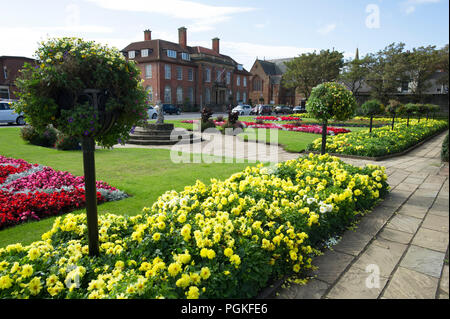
(267, 85)
(9, 70)
(189, 76)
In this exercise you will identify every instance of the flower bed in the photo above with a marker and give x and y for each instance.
(278, 118)
(382, 141)
(31, 191)
(316, 129)
(225, 240)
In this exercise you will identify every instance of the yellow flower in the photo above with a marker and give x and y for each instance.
(184, 281)
(236, 260)
(228, 252)
(27, 270)
(174, 269)
(205, 273)
(35, 286)
(156, 236)
(5, 282)
(193, 293)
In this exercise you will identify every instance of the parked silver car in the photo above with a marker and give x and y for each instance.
(242, 109)
(7, 114)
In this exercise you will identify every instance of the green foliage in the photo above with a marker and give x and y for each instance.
(310, 69)
(331, 101)
(46, 138)
(67, 66)
(410, 108)
(444, 152)
(393, 107)
(372, 107)
(67, 143)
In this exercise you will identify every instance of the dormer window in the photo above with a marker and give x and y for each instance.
(131, 54)
(144, 53)
(172, 54)
(240, 67)
(185, 56)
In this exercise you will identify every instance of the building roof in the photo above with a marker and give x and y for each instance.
(274, 67)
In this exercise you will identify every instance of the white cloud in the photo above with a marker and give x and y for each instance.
(409, 6)
(324, 30)
(202, 16)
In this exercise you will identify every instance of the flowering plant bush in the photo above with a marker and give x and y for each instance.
(278, 118)
(382, 141)
(316, 129)
(225, 240)
(49, 93)
(32, 192)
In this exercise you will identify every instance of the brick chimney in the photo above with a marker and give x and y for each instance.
(147, 35)
(182, 37)
(215, 45)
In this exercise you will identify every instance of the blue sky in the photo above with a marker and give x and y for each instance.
(247, 28)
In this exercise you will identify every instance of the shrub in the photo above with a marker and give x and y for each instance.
(371, 108)
(67, 143)
(45, 138)
(330, 101)
(444, 152)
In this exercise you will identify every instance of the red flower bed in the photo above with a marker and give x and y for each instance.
(316, 129)
(278, 118)
(37, 192)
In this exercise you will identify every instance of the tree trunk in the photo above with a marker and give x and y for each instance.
(90, 194)
(371, 120)
(407, 121)
(393, 120)
(324, 138)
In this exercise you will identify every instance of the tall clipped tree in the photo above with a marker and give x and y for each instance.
(311, 69)
(328, 101)
(372, 108)
(393, 108)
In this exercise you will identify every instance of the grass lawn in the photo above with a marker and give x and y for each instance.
(143, 173)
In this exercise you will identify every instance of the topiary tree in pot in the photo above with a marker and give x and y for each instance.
(328, 101)
(372, 108)
(84, 90)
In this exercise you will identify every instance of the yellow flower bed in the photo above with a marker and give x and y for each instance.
(228, 239)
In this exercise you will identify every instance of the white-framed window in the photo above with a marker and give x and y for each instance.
(207, 96)
(240, 67)
(179, 94)
(238, 80)
(4, 92)
(218, 74)
(131, 54)
(185, 56)
(172, 54)
(238, 96)
(144, 53)
(167, 72)
(148, 71)
(149, 90)
(244, 97)
(245, 81)
(168, 94)
(208, 75)
(190, 74)
(228, 77)
(179, 73)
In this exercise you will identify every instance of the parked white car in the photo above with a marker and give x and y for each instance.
(7, 114)
(152, 113)
(242, 109)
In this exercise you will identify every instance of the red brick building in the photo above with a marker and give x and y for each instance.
(266, 84)
(189, 76)
(9, 70)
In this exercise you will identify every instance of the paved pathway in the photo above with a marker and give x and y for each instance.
(404, 240)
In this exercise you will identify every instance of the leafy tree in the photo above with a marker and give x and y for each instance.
(443, 59)
(409, 109)
(311, 69)
(393, 108)
(330, 100)
(422, 64)
(354, 73)
(387, 71)
(371, 108)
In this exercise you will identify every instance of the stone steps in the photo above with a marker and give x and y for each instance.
(162, 134)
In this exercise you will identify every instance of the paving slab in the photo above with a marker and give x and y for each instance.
(358, 284)
(395, 235)
(404, 223)
(435, 222)
(419, 200)
(443, 213)
(413, 211)
(443, 285)
(431, 239)
(352, 243)
(385, 254)
(331, 265)
(410, 284)
(371, 224)
(423, 260)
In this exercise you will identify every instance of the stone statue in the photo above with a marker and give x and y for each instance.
(160, 112)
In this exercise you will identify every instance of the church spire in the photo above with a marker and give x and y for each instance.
(357, 54)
